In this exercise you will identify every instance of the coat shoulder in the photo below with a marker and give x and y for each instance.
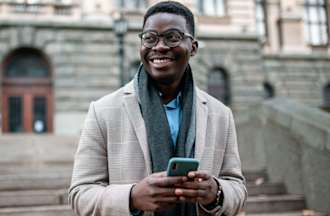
(214, 105)
(115, 99)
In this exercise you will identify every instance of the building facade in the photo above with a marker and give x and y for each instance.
(59, 55)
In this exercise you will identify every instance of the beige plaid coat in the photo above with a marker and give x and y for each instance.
(113, 154)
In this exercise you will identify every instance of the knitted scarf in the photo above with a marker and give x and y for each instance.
(158, 132)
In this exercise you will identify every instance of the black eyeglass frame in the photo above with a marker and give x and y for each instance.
(182, 34)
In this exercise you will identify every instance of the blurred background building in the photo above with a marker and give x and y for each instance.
(58, 55)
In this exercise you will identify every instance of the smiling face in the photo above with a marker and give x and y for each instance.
(167, 65)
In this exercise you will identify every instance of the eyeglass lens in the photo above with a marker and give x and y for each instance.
(170, 38)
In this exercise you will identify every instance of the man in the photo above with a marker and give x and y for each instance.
(130, 135)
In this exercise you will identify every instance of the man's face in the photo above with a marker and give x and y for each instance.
(164, 64)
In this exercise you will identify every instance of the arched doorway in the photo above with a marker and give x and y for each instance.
(218, 85)
(326, 97)
(27, 97)
(269, 91)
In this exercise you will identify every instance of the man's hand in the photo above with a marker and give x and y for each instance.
(155, 192)
(202, 188)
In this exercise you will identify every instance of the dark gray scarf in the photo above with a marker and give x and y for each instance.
(158, 132)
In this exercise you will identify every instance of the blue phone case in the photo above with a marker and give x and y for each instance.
(179, 166)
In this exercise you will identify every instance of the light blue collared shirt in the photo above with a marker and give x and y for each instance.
(173, 111)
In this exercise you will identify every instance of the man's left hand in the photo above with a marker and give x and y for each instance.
(199, 187)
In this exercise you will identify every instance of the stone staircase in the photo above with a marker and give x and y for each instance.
(39, 193)
(268, 199)
(45, 194)
(35, 173)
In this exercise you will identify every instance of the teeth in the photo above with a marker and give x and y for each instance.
(161, 60)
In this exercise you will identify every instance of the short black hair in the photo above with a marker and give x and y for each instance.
(172, 7)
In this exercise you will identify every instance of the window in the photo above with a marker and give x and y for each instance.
(39, 114)
(63, 7)
(63, 10)
(15, 114)
(316, 30)
(33, 1)
(26, 63)
(218, 85)
(268, 90)
(27, 8)
(261, 21)
(326, 96)
(133, 4)
(66, 2)
(211, 7)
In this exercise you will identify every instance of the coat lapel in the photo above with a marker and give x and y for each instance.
(132, 108)
(201, 126)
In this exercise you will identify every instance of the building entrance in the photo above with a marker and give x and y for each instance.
(27, 98)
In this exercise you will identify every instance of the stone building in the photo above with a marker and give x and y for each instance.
(59, 55)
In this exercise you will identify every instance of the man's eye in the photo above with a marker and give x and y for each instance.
(173, 36)
(149, 37)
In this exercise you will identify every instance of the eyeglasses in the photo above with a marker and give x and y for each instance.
(171, 38)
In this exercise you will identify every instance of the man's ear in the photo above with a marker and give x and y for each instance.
(194, 47)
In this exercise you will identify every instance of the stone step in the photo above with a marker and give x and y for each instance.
(304, 212)
(276, 214)
(56, 210)
(274, 203)
(266, 189)
(32, 198)
(53, 181)
(255, 176)
(255, 204)
(36, 168)
(24, 182)
(41, 179)
(35, 181)
(65, 210)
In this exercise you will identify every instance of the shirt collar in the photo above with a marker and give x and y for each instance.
(175, 103)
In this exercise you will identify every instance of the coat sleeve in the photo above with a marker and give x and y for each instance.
(90, 192)
(230, 177)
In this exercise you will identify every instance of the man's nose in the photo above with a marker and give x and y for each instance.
(160, 45)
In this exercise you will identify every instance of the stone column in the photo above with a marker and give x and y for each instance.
(272, 15)
(291, 27)
(291, 33)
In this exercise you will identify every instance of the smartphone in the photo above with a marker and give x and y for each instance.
(179, 166)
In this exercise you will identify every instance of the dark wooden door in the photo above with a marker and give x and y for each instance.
(27, 98)
(27, 108)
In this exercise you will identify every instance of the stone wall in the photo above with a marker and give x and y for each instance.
(240, 56)
(85, 63)
(300, 77)
(292, 142)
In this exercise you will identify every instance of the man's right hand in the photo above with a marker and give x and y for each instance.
(155, 192)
